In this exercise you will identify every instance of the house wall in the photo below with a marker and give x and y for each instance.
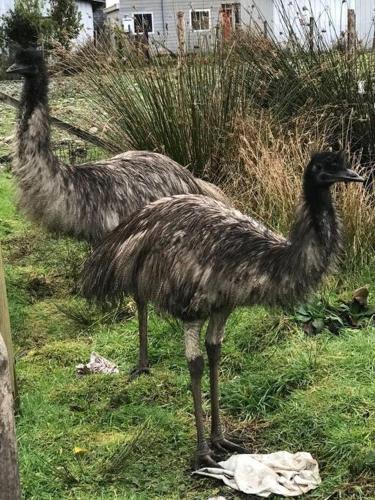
(87, 20)
(330, 17)
(257, 12)
(165, 20)
(365, 20)
(5, 5)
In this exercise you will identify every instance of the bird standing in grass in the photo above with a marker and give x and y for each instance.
(198, 260)
(84, 201)
(89, 200)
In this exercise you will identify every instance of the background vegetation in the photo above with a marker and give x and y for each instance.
(290, 380)
(30, 23)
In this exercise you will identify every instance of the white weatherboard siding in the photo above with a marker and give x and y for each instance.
(5, 5)
(365, 20)
(330, 17)
(165, 19)
(87, 20)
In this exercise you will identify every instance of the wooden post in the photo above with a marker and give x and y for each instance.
(311, 34)
(265, 29)
(181, 34)
(352, 32)
(9, 476)
(5, 327)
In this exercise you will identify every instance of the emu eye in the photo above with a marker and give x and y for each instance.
(318, 167)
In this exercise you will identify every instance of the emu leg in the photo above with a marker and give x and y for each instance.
(143, 365)
(196, 367)
(215, 335)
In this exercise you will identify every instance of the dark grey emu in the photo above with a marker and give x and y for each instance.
(89, 200)
(197, 259)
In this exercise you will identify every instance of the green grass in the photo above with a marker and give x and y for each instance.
(280, 388)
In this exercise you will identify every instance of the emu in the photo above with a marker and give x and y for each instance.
(198, 260)
(90, 200)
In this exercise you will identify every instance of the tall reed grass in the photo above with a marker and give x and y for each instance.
(247, 115)
(186, 110)
(266, 181)
(330, 79)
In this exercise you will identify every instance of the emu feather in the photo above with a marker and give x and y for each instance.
(197, 259)
(89, 200)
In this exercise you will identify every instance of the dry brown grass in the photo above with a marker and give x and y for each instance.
(265, 181)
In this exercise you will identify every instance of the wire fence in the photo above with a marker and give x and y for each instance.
(76, 152)
(70, 151)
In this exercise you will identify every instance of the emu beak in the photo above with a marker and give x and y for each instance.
(347, 175)
(20, 68)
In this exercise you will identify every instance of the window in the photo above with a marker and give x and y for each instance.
(200, 20)
(143, 21)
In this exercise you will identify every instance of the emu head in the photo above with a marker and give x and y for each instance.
(324, 169)
(28, 62)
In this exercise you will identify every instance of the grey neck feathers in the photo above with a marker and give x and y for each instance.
(298, 265)
(33, 153)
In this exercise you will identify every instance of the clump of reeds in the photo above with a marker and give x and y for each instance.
(183, 108)
(317, 72)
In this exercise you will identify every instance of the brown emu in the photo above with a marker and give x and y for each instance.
(89, 200)
(197, 259)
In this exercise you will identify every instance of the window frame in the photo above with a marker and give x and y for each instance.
(209, 20)
(143, 14)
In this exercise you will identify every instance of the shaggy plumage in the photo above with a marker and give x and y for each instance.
(197, 259)
(89, 200)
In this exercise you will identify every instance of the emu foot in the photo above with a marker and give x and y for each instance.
(205, 460)
(223, 446)
(139, 370)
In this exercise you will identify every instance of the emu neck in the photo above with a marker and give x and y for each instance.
(33, 132)
(318, 217)
(297, 266)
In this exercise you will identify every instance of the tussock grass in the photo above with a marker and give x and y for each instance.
(266, 181)
(186, 111)
(247, 116)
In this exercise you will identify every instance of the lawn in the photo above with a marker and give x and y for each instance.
(107, 437)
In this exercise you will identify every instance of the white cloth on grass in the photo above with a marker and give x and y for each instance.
(280, 473)
(97, 364)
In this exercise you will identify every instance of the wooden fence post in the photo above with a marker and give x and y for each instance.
(5, 327)
(181, 34)
(265, 29)
(311, 34)
(9, 476)
(352, 32)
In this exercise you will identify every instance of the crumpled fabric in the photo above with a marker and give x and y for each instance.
(280, 473)
(97, 364)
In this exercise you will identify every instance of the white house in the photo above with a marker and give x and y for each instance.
(201, 17)
(90, 15)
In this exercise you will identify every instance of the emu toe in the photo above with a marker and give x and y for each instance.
(138, 371)
(223, 446)
(205, 460)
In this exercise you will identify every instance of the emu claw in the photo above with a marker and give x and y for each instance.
(206, 460)
(223, 445)
(138, 371)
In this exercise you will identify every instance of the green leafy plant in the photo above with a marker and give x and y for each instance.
(24, 24)
(66, 21)
(321, 313)
(27, 25)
